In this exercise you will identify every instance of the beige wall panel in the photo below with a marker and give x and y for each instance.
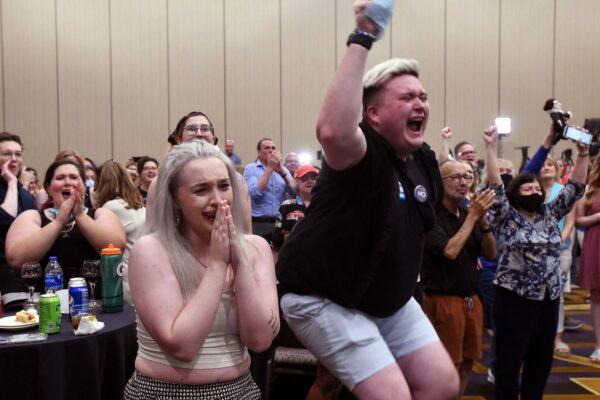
(418, 31)
(139, 77)
(83, 40)
(526, 67)
(30, 85)
(472, 68)
(346, 23)
(252, 73)
(1, 73)
(197, 61)
(577, 59)
(307, 67)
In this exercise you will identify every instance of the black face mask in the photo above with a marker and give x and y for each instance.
(506, 178)
(531, 203)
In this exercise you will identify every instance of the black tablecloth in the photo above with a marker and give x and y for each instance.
(72, 367)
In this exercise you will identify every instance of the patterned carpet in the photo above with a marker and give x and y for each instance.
(572, 378)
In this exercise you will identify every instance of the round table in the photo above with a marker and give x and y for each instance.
(66, 366)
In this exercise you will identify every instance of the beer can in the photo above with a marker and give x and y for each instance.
(49, 313)
(78, 297)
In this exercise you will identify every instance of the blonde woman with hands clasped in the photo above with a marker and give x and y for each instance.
(204, 291)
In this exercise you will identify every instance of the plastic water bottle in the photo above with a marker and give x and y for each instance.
(53, 276)
(112, 279)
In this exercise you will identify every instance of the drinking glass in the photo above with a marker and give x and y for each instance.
(91, 271)
(31, 272)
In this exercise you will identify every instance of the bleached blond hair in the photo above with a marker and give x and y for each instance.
(375, 78)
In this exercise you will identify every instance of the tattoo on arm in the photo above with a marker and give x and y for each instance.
(274, 323)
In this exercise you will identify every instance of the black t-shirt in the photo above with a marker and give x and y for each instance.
(450, 277)
(360, 243)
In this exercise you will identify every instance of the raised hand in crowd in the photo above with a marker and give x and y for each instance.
(444, 153)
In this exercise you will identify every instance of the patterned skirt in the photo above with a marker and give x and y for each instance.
(141, 387)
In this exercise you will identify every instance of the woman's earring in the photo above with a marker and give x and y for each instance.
(177, 217)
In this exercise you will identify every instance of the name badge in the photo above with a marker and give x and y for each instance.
(420, 193)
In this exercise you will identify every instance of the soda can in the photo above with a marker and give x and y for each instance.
(78, 297)
(49, 313)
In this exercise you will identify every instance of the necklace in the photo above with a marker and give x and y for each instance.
(68, 228)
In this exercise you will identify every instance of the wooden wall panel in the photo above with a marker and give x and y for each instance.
(346, 22)
(139, 77)
(30, 78)
(577, 59)
(307, 67)
(83, 41)
(526, 71)
(197, 61)
(418, 31)
(252, 73)
(471, 68)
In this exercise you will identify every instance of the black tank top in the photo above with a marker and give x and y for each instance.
(71, 249)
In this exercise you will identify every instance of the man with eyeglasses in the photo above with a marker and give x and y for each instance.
(465, 151)
(449, 273)
(14, 199)
(268, 182)
(291, 162)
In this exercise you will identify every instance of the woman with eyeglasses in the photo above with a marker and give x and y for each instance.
(528, 280)
(204, 291)
(116, 192)
(66, 229)
(196, 126)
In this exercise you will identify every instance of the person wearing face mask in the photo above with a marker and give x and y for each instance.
(528, 282)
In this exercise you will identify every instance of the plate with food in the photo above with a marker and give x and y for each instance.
(21, 321)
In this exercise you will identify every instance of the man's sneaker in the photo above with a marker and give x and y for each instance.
(571, 324)
(490, 376)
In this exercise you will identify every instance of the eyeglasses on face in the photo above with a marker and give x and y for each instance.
(193, 129)
(309, 177)
(457, 177)
(145, 169)
(466, 153)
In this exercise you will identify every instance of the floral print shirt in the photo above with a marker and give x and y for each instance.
(528, 253)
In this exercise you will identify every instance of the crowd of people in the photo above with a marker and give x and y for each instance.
(388, 262)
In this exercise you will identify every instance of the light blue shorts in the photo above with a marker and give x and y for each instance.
(351, 344)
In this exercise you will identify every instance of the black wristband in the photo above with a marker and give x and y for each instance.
(488, 230)
(358, 37)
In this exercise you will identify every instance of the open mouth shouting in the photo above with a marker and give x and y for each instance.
(67, 193)
(415, 124)
(210, 216)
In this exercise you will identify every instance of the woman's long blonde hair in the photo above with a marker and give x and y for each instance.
(165, 222)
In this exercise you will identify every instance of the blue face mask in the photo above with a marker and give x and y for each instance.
(89, 183)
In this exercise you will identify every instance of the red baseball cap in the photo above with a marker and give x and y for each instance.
(305, 169)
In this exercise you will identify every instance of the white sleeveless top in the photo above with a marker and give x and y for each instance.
(222, 347)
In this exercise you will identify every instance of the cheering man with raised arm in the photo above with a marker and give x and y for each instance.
(348, 269)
